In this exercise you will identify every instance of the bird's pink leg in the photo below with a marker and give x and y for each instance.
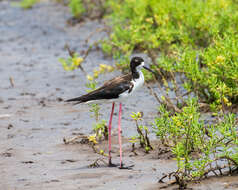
(119, 133)
(109, 135)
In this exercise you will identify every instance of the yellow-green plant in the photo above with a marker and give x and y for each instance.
(77, 8)
(71, 63)
(212, 73)
(100, 128)
(193, 37)
(142, 133)
(26, 4)
(185, 133)
(103, 68)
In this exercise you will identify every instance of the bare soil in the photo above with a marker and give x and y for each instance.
(34, 119)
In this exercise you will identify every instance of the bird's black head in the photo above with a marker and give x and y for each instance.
(136, 63)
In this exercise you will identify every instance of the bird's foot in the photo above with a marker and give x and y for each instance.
(120, 166)
(126, 167)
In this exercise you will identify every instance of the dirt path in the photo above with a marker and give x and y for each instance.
(32, 154)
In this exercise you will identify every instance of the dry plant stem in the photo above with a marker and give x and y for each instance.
(95, 44)
(213, 171)
(95, 164)
(105, 133)
(170, 183)
(167, 102)
(181, 78)
(171, 105)
(98, 30)
(5, 116)
(186, 93)
(11, 82)
(134, 149)
(87, 52)
(176, 90)
(141, 135)
(153, 55)
(71, 53)
(162, 178)
(229, 159)
(153, 93)
(73, 139)
(148, 140)
(94, 148)
(167, 99)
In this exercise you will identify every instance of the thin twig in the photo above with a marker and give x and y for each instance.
(148, 140)
(71, 53)
(94, 32)
(73, 139)
(95, 164)
(153, 93)
(11, 82)
(5, 116)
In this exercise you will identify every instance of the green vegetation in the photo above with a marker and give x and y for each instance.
(142, 131)
(26, 4)
(77, 8)
(197, 38)
(214, 76)
(198, 147)
(71, 63)
(101, 130)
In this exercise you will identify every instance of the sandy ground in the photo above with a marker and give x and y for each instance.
(32, 152)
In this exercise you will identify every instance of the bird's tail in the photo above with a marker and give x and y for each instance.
(78, 100)
(94, 95)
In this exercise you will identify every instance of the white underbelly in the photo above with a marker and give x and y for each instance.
(137, 83)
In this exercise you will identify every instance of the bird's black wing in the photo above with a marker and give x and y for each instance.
(110, 90)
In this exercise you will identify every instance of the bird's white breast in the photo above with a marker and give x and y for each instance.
(137, 84)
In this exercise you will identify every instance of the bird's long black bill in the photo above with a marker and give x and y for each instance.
(148, 69)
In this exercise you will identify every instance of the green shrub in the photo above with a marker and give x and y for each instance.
(214, 77)
(26, 4)
(163, 24)
(77, 8)
(185, 133)
(181, 32)
(71, 63)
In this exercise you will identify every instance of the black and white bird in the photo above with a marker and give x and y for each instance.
(116, 90)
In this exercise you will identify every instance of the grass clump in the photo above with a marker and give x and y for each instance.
(71, 63)
(142, 135)
(199, 149)
(77, 8)
(26, 4)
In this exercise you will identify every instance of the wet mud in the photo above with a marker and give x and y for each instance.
(34, 119)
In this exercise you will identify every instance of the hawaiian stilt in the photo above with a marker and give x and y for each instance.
(116, 90)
